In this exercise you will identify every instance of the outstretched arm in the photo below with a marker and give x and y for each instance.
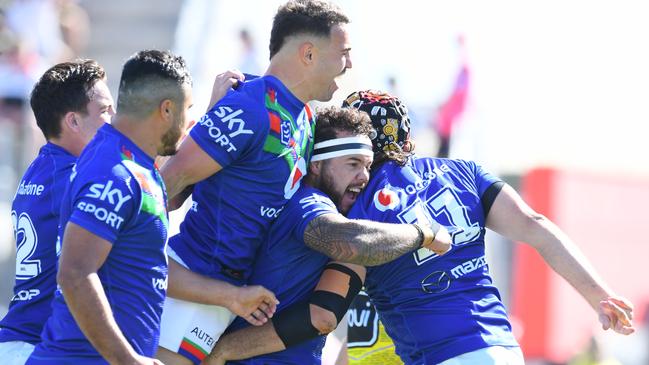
(330, 300)
(514, 219)
(369, 243)
(253, 303)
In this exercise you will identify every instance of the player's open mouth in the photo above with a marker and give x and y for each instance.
(352, 193)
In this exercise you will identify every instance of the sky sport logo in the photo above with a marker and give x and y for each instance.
(236, 126)
(386, 198)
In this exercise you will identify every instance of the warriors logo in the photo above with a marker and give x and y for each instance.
(293, 182)
(291, 139)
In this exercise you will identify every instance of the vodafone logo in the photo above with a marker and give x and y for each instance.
(385, 199)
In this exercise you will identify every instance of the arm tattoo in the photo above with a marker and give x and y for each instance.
(359, 241)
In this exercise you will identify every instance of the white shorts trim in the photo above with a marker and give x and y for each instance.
(493, 355)
(199, 325)
(15, 352)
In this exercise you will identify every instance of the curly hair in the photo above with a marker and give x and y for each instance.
(332, 120)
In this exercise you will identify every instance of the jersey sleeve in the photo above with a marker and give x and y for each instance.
(106, 204)
(483, 178)
(488, 186)
(309, 207)
(232, 128)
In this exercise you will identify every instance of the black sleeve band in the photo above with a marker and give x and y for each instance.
(489, 196)
(335, 303)
(293, 324)
(355, 282)
(331, 302)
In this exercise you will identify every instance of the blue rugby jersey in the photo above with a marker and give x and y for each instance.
(262, 137)
(291, 270)
(117, 194)
(435, 307)
(35, 217)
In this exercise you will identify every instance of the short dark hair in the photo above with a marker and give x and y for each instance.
(63, 89)
(148, 77)
(304, 17)
(332, 120)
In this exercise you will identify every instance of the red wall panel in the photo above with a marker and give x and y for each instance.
(606, 217)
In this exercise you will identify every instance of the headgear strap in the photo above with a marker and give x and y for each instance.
(341, 147)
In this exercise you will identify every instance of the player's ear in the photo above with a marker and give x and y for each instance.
(166, 109)
(307, 53)
(71, 122)
(315, 168)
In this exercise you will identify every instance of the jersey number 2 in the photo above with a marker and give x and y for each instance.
(26, 240)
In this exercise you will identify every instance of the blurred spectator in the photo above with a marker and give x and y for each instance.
(17, 66)
(449, 113)
(249, 61)
(36, 24)
(19, 69)
(74, 24)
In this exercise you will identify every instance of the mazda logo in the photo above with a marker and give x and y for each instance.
(436, 282)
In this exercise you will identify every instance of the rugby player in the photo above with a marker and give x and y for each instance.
(70, 102)
(446, 309)
(310, 232)
(113, 267)
(246, 157)
(437, 309)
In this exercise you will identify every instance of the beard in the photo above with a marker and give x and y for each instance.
(328, 187)
(170, 142)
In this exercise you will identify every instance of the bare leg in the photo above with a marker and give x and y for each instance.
(171, 358)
